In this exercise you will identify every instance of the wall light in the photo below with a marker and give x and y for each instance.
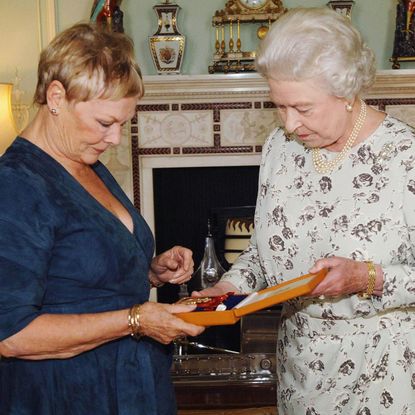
(8, 129)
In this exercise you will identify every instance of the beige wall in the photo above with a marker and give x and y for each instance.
(20, 43)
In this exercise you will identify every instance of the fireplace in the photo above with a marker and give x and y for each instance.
(185, 198)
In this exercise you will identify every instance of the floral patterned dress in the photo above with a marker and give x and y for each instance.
(346, 355)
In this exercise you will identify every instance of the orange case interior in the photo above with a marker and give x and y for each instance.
(265, 298)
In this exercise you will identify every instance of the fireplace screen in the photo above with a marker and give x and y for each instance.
(184, 200)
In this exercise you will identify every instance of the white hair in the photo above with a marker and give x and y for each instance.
(320, 44)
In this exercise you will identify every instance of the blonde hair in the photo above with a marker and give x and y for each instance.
(91, 63)
(321, 44)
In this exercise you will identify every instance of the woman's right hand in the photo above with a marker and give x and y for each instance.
(157, 320)
(222, 287)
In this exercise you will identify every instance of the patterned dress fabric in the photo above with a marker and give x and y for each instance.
(345, 355)
(62, 252)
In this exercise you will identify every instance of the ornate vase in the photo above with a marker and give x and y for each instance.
(167, 44)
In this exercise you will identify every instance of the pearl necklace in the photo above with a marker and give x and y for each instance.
(324, 167)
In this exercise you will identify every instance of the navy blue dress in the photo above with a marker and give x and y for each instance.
(63, 252)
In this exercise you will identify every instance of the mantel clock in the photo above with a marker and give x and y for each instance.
(228, 55)
(252, 4)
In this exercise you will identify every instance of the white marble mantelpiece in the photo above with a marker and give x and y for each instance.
(209, 120)
(162, 88)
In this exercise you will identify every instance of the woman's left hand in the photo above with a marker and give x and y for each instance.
(174, 266)
(344, 276)
(158, 320)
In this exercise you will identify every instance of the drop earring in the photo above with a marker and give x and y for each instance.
(349, 107)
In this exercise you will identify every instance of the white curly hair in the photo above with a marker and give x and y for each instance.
(320, 44)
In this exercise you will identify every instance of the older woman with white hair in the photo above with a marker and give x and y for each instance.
(336, 191)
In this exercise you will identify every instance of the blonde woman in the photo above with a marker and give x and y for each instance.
(77, 332)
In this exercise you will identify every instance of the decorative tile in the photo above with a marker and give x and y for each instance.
(404, 113)
(217, 150)
(216, 115)
(376, 104)
(154, 151)
(159, 129)
(152, 107)
(135, 166)
(118, 160)
(216, 140)
(241, 127)
(216, 105)
(268, 104)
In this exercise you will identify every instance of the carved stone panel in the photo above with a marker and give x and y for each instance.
(175, 129)
(242, 127)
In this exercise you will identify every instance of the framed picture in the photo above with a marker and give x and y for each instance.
(404, 43)
(342, 6)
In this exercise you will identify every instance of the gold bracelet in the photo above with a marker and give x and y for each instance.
(371, 280)
(134, 321)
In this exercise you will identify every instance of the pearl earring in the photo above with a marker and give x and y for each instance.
(349, 107)
(54, 111)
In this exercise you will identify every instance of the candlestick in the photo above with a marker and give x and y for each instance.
(238, 41)
(222, 43)
(230, 37)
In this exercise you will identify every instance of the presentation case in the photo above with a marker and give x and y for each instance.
(256, 301)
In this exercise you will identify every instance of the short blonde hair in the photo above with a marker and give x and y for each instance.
(321, 44)
(91, 63)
